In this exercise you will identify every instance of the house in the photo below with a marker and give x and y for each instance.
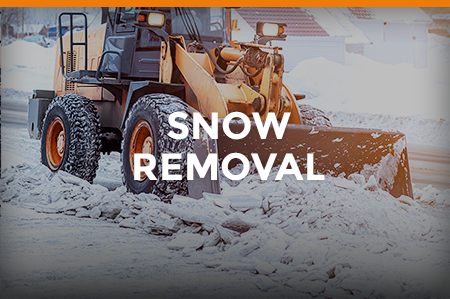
(397, 34)
(30, 29)
(311, 32)
(441, 20)
(43, 31)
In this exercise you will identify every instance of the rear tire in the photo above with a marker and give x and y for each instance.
(312, 116)
(146, 130)
(71, 136)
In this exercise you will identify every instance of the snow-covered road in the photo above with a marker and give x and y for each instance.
(371, 243)
(56, 256)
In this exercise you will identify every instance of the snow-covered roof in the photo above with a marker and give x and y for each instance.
(387, 14)
(333, 21)
(441, 17)
(244, 32)
(300, 22)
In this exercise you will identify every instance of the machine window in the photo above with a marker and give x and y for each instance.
(147, 41)
(126, 14)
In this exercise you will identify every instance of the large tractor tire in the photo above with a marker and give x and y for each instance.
(146, 131)
(312, 116)
(71, 136)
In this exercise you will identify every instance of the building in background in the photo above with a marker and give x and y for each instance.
(310, 33)
(388, 35)
(441, 20)
(397, 35)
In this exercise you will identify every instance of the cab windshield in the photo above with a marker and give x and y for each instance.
(198, 23)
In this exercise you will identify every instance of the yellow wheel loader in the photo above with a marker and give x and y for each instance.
(116, 85)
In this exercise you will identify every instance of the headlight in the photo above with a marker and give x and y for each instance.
(270, 29)
(155, 19)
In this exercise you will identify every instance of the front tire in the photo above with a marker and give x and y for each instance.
(146, 131)
(70, 136)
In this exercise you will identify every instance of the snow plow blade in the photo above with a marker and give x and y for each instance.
(336, 151)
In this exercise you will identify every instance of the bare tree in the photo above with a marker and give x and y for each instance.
(44, 15)
(47, 16)
(11, 16)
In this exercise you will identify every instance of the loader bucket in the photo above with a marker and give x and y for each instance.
(336, 151)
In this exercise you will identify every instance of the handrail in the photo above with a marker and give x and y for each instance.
(85, 43)
(119, 75)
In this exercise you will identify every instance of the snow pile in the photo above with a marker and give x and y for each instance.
(333, 237)
(432, 196)
(438, 53)
(363, 85)
(418, 130)
(27, 66)
(17, 97)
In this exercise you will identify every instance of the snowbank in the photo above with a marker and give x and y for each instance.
(18, 98)
(27, 66)
(363, 85)
(332, 237)
(418, 130)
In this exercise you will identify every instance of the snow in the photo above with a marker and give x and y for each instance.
(366, 86)
(335, 23)
(27, 66)
(405, 14)
(309, 236)
(418, 130)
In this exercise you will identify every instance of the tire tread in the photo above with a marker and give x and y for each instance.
(162, 105)
(84, 140)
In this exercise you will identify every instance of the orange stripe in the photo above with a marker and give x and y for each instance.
(240, 3)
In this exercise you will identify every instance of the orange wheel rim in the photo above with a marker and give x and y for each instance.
(142, 142)
(55, 143)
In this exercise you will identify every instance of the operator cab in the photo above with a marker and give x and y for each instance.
(140, 45)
